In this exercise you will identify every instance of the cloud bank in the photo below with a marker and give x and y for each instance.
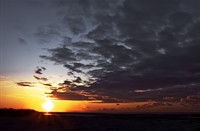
(128, 50)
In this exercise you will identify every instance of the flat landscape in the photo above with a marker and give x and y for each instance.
(100, 122)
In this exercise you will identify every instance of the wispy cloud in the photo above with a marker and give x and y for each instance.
(27, 84)
(40, 78)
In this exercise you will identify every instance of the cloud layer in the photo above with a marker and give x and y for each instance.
(129, 50)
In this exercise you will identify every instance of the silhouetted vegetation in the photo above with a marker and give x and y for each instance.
(17, 112)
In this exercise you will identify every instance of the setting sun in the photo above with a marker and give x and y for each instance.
(48, 105)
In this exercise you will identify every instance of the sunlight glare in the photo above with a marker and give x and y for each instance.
(48, 105)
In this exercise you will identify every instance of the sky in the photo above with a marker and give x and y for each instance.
(100, 55)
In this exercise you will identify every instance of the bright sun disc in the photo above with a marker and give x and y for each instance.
(47, 106)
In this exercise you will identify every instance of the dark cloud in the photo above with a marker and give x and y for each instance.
(72, 68)
(102, 32)
(138, 50)
(27, 84)
(40, 70)
(60, 55)
(75, 24)
(78, 80)
(48, 31)
(22, 41)
(43, 68)
(45, 33)
(56, 93)
(66, 83)
(48, 85)
(40, 78)
(70, 73)
(69, 96)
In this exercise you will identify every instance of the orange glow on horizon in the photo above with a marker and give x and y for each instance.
(14, 96)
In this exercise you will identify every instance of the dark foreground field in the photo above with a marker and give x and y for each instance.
(99, 122)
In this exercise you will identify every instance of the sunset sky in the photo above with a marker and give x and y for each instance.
(100, 55)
